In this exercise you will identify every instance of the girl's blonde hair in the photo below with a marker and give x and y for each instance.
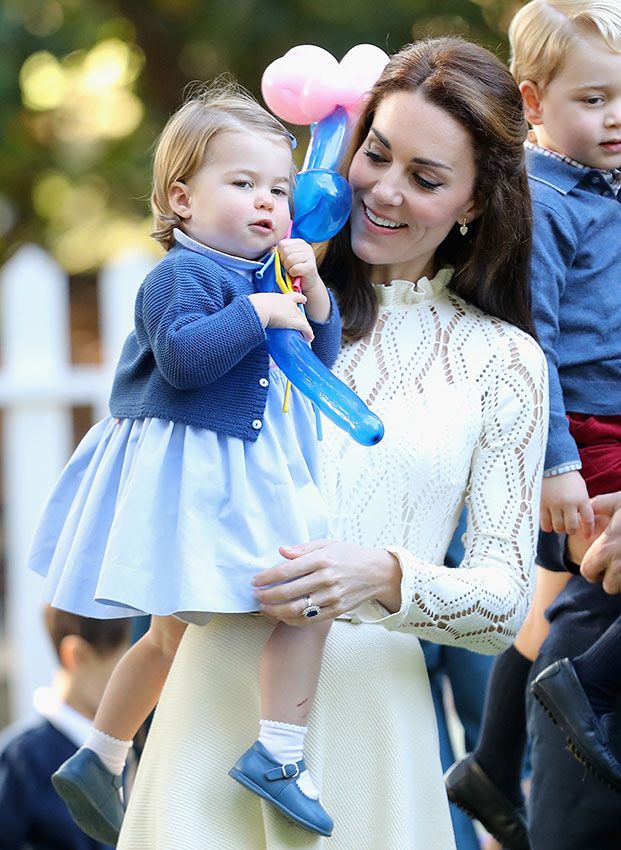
(218, 107)
(542, 33)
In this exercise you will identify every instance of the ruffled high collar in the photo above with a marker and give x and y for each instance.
(400, 293)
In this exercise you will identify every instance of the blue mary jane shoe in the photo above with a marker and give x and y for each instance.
(258, 771)
(92, 795)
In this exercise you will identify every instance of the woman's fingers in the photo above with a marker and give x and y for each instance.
(314, 579)
(606, 504)
(292, 568)
(293, 612)
(338, 576)
(327, 613)
(303, 548)
(612, 578)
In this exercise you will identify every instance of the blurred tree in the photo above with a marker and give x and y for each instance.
(86, 85)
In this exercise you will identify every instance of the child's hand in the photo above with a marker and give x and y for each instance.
(280, 310)
(299, 260)
(565, 505)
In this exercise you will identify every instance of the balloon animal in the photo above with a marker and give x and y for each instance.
(308, 86)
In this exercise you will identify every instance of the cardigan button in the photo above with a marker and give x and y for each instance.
(257, 424)
(263, 382)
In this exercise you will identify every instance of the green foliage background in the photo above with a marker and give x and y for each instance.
(51, 186)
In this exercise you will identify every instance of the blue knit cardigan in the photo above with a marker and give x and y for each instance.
(197, 354)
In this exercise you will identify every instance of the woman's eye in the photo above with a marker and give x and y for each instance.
(426, 184)
(374, 157)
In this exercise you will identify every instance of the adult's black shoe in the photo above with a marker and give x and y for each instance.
(469, 787)
(590, 737)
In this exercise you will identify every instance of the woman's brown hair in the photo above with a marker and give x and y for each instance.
(492, 262)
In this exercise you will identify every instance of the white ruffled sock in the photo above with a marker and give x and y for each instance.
(112, 751)
(286, 743)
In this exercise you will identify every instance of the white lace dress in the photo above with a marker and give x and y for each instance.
(464, 401)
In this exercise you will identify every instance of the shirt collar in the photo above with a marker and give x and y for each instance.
(67, 720)
(237, 264)
(561, 172)
(401, 293)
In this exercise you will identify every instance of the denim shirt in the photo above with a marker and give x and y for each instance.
(576, 294)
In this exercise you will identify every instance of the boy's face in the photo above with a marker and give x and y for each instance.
(238, 202)
(84, 672)
(578, 113)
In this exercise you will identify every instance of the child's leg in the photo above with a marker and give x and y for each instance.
(90, 781)
(290, 667)
(500, 749)
(599, 670)
(580, 696)
(487, 783)
(289, 673)
(133, 691)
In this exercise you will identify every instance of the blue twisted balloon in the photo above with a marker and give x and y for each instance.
(322, 203)
(329, 139)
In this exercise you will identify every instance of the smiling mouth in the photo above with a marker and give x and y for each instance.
(380, 221)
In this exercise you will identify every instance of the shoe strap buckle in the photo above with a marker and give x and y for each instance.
(285, 772)
(290, 770)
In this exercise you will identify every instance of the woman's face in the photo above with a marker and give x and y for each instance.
(412, 179)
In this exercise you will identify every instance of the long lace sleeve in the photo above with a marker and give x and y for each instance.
(482, 604)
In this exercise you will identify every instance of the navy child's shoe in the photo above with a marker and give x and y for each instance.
(92, 794)
(258, 771)
(593, 740)
(470, 788)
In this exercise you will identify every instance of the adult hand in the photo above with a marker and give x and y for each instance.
(602, 561)
(339, 577)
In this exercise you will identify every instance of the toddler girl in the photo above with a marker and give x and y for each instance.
(189, 488)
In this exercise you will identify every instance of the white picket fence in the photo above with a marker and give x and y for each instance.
(38, 387)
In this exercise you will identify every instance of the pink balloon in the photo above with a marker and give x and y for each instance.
(321, 92)
(360, 68)
(281, 87)
(312, 55)
(307, 61)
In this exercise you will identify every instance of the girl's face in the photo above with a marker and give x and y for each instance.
(238, 202)
(412, 180)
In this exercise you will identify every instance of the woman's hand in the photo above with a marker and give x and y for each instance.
(339, 577)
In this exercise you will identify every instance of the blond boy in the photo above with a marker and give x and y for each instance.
(566, 58)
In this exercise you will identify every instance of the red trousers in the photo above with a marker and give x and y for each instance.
(599, 442)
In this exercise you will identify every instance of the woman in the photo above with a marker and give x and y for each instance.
(431, 276)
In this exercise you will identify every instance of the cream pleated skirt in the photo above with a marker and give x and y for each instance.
(372, 747)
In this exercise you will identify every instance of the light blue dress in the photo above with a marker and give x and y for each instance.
(156, 517)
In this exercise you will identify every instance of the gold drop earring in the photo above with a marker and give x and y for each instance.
(464, 227)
